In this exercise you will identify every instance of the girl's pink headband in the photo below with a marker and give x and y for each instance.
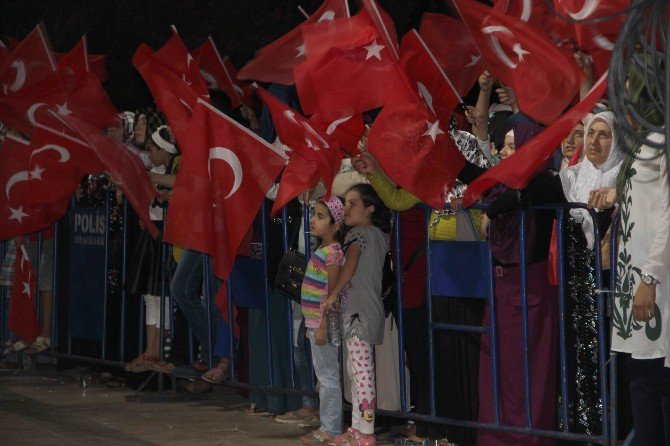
(336, 208)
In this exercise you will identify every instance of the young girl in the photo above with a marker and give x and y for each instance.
(146, 263)
(321, 275)
(362, 311)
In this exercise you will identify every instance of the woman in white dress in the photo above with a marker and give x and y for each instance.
(641, 310)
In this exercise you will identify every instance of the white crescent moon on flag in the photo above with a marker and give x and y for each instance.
(527, 10)
(587, 9)
(64, 153)
(333, 125)
(31, 112)
(504, 58)
(20, 78)
(233, 161)
(328, 15)
(211, 82)
(16, 178)
(603, 42)
(425, 94)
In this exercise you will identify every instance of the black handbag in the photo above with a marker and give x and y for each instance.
(291, 270)
(290, 273)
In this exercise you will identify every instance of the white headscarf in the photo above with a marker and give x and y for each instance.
(579, 180)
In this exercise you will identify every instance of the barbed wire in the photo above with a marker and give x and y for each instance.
(642, 43)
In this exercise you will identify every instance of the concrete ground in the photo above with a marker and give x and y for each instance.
(46, 407)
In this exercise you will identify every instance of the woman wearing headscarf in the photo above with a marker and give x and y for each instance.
(504, 215)
(641, 310)
(599, 168)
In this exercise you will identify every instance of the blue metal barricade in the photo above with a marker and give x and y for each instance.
(443, 275)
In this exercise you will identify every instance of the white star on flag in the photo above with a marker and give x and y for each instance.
(36, 173)
(473, 60)
(189, 59)
(301, 50)
(17, 214)
(374, 50)
(519, 51)
(26, 288)
(433, 130)
(63, 110)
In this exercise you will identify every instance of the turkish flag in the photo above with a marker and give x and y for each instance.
(20, 211)
(76, 60)
(22, 316)
(174, 79)
(70, 90)
(66, 94)
(516, 171)
(175, 56)
(346, 131)
(349, 68)
(62, 161)
(544, 78)
(79, 61)
(453, 48)
(384, 24)
(126, 169)
(274, 62)
(221, 183)
(29, 63)
(596, 38)
(415, 150)
(533, 12)
(315, 155)
(216, 72)
(429, 81)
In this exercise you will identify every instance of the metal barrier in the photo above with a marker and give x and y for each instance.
(606, 360)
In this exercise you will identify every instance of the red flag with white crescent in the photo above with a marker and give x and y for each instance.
(453, 48)
(21, 212)
(275, 61)
(217, 74)
(27, 64)
(126, 169)
(221, 184)
(321, 157)
(350, 68)
(22, 316)
(544, 78)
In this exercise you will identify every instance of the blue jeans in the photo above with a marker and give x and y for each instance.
(301, 361)
(327, 367)
(185, 289)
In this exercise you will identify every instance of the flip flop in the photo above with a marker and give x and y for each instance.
(316, 438)
(13, 348)
(163, 367)
(215, 375)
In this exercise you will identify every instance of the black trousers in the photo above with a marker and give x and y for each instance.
(650, 400)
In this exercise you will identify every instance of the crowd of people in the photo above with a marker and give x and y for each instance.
(350, 241)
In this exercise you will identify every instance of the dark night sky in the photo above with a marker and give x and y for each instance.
(116, 28)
